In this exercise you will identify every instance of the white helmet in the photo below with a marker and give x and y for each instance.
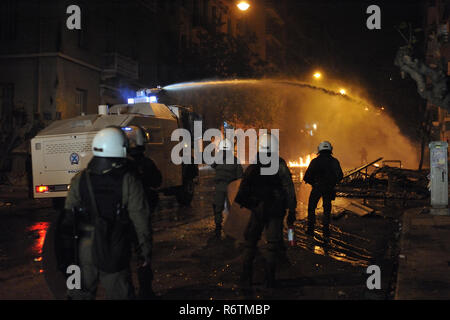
(225, 145)
(325, 145)
(136, 136)
(110, 143)
(268, 143)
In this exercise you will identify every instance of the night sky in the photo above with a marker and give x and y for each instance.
(332, 35)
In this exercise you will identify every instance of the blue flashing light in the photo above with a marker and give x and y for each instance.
(127, 129)
(143, 99)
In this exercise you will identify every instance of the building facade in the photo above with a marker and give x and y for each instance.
(50, 70)
(438, 55)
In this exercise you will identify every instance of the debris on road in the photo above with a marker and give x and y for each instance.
(385, 182)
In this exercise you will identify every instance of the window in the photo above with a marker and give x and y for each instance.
(8, 19)
(81, 101)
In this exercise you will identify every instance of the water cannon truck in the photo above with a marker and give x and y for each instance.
(64, 147)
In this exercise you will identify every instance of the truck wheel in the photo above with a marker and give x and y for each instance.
(185, 193)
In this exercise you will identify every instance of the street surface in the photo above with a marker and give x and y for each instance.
(188, 265)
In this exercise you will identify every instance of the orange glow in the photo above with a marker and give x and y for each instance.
(317, 75)
(303, 162)
(243, 5)
(41, 229)
(41, 189)
(342, 91)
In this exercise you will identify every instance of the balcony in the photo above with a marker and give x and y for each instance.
(117, 65)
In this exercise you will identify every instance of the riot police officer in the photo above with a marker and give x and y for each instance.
(225, 173)
(112, 206)
(143, 166)
(147, 171)
(268, 197)
(323, 173)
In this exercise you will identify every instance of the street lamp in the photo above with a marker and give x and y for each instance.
(243, 5)
(317, 75)
(342, 91)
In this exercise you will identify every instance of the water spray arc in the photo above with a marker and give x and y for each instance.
(236, 82)
(306, 113)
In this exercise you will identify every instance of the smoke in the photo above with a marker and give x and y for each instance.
(306, 114)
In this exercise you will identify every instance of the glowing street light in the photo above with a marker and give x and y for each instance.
(317, 75)
(342, 91)
(243, 5)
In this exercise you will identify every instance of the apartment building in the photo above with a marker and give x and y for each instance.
(438, 54)
(49, 70)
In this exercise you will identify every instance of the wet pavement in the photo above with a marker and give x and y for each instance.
(189, 265)
(424, 258)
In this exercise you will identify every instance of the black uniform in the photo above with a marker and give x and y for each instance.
(268, 197)
(149, 174)
(323, 173)
(147, 171)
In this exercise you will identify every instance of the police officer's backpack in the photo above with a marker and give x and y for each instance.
(111, 249)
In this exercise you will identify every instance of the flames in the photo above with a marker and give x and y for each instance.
(303, 161)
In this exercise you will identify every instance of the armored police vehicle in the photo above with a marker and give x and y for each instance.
(64, 147)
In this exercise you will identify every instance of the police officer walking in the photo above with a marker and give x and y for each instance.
(225, 173)
(110, 202)
(143, 166)
(147, 171)
(268, 197)
(323, 173)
